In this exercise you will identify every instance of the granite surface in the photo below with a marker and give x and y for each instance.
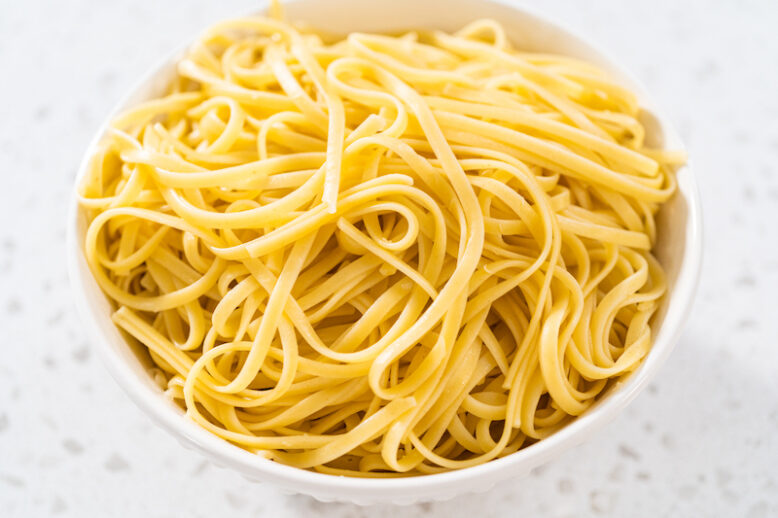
(701, 441)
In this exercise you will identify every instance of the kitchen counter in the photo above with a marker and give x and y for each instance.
(702, 440)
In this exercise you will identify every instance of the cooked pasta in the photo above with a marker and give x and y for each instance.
(380, 256)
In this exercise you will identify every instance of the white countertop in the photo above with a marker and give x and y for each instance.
(701, 441)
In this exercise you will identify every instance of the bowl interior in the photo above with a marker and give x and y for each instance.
(678, 249)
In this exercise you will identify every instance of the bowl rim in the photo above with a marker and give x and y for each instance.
(257, 467)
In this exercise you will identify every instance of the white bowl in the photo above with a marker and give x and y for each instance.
(679, 250)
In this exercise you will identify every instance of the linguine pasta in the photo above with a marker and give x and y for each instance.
(380, 256)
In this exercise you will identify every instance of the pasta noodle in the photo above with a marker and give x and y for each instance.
(380, 256)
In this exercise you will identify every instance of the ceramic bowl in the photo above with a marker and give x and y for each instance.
(678, 249)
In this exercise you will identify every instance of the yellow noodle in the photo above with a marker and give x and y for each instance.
(381, 256)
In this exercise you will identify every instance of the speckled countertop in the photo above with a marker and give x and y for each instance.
(701, 441)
